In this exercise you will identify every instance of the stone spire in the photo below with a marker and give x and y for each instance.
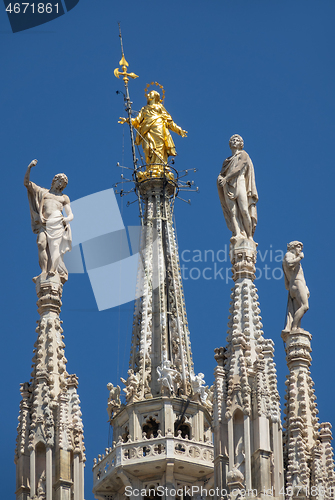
(247, 428)
(162, 435)
(161, 357)
(308, 453)
(50, 452)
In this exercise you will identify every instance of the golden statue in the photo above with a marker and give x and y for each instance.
(153, 124)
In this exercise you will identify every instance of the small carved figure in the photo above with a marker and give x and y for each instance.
(237, 191)
(131, 384)
(41, 488)
(295, 283)
(48, 222)
(239, 453)
(153, 124)
(167, 375)
(198, 386)
(114, 401)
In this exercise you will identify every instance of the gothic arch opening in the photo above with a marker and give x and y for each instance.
(125, 434)
(183, 427)
(151, 427)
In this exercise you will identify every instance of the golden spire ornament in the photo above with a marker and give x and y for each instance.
(123, 63)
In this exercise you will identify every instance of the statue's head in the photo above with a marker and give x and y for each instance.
(295, 245)
(60, 182)
(236, 142)
(154, 96)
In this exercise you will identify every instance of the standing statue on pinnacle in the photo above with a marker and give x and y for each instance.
(295, 283)
(48, 222)
(237, 191)
(153, 124)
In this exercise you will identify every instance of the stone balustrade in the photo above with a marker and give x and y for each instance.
(149, 450)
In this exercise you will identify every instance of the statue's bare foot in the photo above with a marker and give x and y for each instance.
(51, 273)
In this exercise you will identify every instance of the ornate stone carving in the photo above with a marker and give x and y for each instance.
(198, 386)
(41, 494)
(167, 375)
(243, 259)
(132, 385)
(114, 401)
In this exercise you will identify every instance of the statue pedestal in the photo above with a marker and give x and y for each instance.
(243, 253)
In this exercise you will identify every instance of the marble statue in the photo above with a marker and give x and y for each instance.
(295, 283)
(153, 124)
(199, 387)
(131, 384)
(237, 191)
(114, 401)
(167, 375)
(41, 488)
(48, 222)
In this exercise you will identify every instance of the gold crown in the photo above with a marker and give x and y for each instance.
(157, 85)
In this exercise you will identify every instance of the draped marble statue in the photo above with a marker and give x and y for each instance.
(295, 283)
(153, 125)
(48, 222)
(237, 191)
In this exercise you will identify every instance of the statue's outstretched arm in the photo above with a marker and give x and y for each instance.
(134, 121)
(175, 128)
(26, 179)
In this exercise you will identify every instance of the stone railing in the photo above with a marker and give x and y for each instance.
(149, 450)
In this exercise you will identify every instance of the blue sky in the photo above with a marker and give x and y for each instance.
(262, 69)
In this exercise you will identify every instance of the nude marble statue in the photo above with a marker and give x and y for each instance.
(295, 283)
(237, 191)
(48, 222)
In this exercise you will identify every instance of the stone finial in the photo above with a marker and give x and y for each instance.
(220, 355)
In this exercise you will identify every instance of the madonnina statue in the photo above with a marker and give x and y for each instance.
(295, 283)
(47, 221)
(237, 191)
(153, 124)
